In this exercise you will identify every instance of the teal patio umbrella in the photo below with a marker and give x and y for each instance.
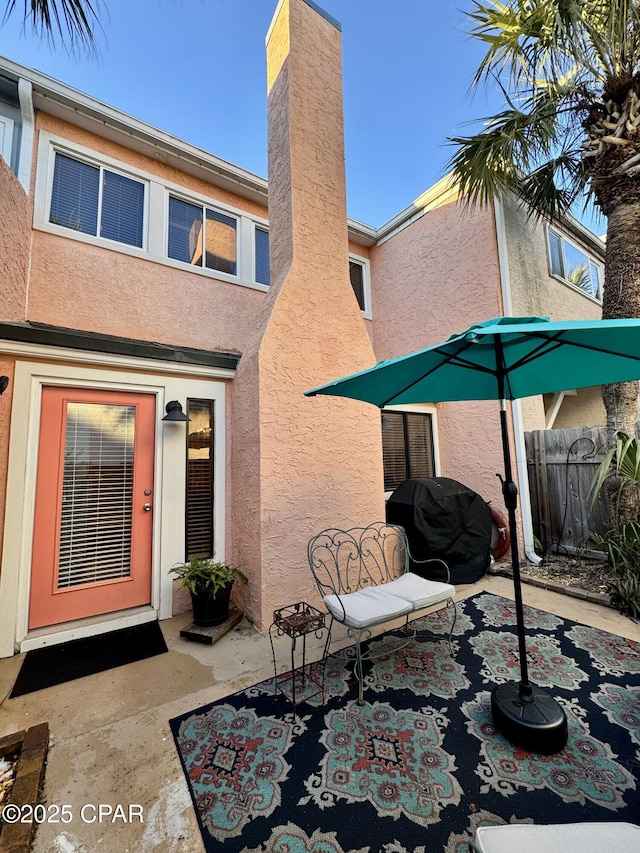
(504, 359)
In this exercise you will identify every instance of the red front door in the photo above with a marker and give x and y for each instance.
(94, 499)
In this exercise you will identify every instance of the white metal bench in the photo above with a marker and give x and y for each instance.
(364, 579)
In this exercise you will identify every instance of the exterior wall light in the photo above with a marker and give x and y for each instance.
(175, 413)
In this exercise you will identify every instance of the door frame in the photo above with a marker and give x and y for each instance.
(166, 381)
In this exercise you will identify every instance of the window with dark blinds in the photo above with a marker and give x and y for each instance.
(122, 209)
(356, 274)
(74, 198)
(419, 445)
(263, 275)
(199, 508)
(86, 198)
(407, 447)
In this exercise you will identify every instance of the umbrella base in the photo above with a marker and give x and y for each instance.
(535, 722)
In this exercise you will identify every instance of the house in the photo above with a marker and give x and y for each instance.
(142, 278)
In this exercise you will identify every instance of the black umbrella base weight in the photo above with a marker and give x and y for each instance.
(535, 722)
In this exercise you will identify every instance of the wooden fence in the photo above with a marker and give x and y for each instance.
(561, 465)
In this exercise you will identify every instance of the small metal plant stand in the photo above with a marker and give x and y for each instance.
(298, 620)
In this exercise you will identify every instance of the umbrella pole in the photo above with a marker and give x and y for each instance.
(528, 716)
(510, 493)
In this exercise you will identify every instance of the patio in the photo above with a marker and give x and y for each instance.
(110, 737)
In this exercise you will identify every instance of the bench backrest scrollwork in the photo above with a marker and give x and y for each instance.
(344, 561)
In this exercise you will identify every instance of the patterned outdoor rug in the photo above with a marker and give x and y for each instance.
(419, 766)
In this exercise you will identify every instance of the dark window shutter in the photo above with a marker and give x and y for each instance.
(263, 275)
(74, 199)
(199, 509)
(122, 209)
(356, 275)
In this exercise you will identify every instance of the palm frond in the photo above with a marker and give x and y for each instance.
(623, 462)
(527, 149)
(73, 18)
(557, 62)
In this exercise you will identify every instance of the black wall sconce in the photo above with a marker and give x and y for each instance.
(4, 384)
(175, 413)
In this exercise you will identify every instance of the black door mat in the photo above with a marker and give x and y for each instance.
(65, 662)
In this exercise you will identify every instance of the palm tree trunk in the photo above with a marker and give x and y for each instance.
(621, 298)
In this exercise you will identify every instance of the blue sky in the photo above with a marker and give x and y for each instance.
(196, 68)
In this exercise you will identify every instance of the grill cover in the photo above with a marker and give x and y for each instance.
(444, 519)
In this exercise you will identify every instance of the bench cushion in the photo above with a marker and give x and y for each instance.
(420, 592)
(369, 606)
(559, 838)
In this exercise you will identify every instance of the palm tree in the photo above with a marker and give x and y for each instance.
(73, 18)
(569, 71)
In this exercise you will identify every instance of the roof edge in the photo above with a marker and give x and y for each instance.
(57, 336)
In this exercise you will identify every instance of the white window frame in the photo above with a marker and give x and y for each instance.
(258, 226)
(103, 165)
(156, 212)
(366, 283)
(421, 409)
(215, 208)
(589, 257)
(6, 138)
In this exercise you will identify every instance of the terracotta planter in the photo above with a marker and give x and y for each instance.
(210, 609)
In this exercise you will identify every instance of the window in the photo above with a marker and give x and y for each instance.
(359, 278)
(407, 447)
(356, 274)
(91, 197)
(203, 237)
(6, 138)
(574, 265)
(199, 508)
(261, 256)
(97, 201)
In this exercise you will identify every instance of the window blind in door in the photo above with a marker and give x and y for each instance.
(97, 494)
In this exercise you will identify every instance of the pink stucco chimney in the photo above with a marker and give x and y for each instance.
(299, 465)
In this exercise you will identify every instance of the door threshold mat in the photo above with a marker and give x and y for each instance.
(67, 661)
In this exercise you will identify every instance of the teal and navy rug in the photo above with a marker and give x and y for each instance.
(420, 765)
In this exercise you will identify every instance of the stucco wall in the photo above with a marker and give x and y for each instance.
(300, 464)
(585, 409)
(75, 285)
(535, 292)
(79, 285)
(432, 279)
(15, 236)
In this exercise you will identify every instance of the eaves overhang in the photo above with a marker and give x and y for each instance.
(41, 334)
(83, 111)
(88, 113)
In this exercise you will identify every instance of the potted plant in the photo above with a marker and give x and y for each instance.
(209, 582)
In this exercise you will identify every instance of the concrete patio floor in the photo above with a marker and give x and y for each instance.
(111, 743)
